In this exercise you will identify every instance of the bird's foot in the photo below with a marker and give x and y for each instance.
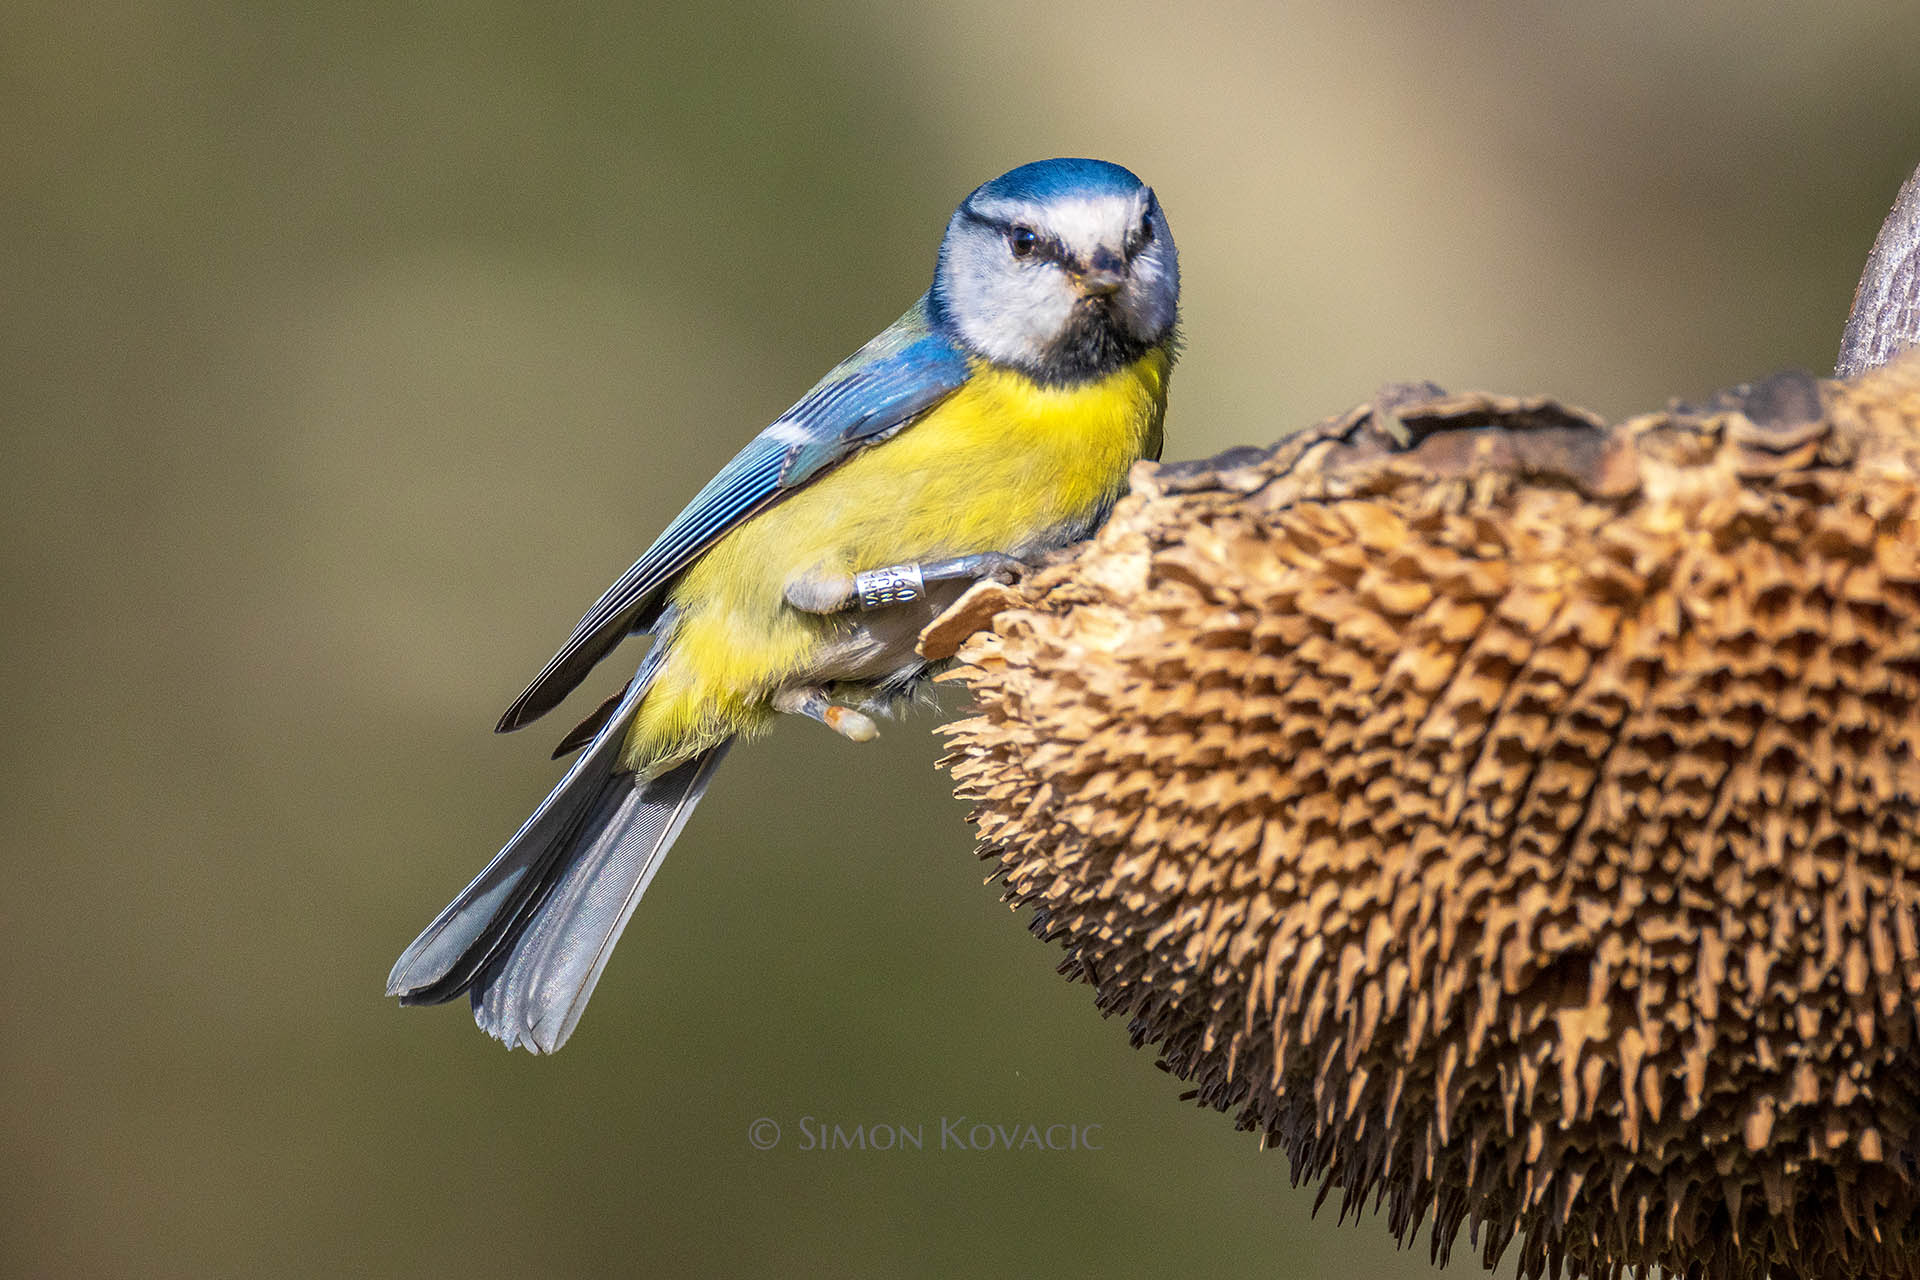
(812, 702)
(894, 584)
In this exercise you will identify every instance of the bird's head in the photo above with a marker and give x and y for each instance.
(1064, 269)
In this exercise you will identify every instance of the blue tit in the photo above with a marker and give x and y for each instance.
(996, 419)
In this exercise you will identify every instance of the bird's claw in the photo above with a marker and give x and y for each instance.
(812, 702)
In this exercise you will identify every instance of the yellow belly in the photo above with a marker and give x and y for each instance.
(1003, 464)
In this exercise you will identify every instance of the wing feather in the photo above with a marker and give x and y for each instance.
(870, 395)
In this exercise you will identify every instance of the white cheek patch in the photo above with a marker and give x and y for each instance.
(1152, 292)
(1007, 310)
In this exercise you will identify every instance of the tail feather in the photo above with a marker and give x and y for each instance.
(450, 952)
(533, 992)
(529, 936)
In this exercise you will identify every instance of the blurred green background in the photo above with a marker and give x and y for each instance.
(348, 351)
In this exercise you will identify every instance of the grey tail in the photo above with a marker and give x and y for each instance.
(530, 936)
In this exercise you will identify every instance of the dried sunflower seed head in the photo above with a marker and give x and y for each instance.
(1511, 817)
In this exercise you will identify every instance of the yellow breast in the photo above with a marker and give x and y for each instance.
(1004, 464)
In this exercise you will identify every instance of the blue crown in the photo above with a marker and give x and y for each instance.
(1045, 180)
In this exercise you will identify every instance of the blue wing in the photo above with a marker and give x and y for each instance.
(884, 386)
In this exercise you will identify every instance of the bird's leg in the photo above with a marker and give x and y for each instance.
(811, 701)
(894, 584)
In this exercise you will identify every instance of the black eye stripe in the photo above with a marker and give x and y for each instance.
(1048, 248)
(1045, 246)
(1141, 236)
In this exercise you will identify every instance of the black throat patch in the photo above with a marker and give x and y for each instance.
(1092, 346)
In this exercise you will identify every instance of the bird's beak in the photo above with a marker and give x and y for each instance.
(1103, 275)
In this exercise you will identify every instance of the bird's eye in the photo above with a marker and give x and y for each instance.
(1022, 241)
(1143, 234)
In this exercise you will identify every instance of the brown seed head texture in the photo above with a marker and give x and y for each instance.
(1511, 817)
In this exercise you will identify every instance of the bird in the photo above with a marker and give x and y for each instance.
(996, 420)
